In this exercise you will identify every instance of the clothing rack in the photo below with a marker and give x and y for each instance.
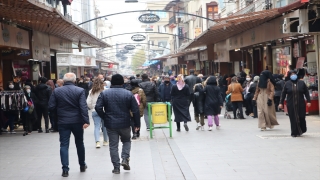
(13, 100)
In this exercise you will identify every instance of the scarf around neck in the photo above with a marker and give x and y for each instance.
(180, 84)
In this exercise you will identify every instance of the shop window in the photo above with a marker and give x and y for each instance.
(62, 71)
(281, 60)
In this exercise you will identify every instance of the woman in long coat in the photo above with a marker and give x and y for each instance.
(199, 98)
(236, 97)
(213, 101)
(31, 115)
(180, 94)
(263, 98)
(295, 90)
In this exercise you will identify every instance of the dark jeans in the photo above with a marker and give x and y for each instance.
(237, 105)
(133, 127)
(125, 136)
(276, 100)
(249, 109)
(11, 118)
(52, 120)
(43, 110)
(255, 110)
(65, 132)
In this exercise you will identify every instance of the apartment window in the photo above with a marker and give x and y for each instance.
(162, 43)
(102, 34)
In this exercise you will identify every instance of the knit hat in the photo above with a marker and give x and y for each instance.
(256, 78)
(117, 79)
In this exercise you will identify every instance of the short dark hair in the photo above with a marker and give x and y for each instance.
(137, 75)
(43, 80)
(145, 76)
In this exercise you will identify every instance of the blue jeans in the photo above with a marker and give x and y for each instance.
(125, 136)
(65, 132)
(97, 125)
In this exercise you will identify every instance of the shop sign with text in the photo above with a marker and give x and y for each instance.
(138, 37)
(149, 18)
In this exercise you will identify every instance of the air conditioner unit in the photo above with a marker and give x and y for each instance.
(290, 25)
(303, 21)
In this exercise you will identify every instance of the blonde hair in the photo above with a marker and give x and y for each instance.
(180, 76)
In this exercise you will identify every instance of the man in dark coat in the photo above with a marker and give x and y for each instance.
(165, 89)
(114, 106)
(278, 89)
(151, 92)
(43, 93)
(191, 80)
(70, 104)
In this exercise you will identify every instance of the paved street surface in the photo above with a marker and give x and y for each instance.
(239, 150)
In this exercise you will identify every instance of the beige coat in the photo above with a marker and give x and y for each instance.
(266, 114)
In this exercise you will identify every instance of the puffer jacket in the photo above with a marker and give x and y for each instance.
(191, 80)
(69, 102)
(198, 98)
(143, 99)
(114, 106)
(150, 90)
(43, 93)
(213, 99)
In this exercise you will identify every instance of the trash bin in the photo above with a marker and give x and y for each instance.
(159, 113)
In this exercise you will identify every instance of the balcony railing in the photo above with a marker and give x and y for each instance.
(251, 7)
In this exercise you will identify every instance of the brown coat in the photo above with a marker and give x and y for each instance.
(143, 99)
(236, 90)
(266, 114)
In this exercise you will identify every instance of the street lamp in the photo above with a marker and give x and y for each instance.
(131, 1)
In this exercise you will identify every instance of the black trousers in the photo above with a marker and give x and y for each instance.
(249, 108)
(276, 100)
(237, 105)
(42, 110)
(255, 110)
(191, 99)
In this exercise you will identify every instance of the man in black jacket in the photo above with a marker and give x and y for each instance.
(114, 106)
(191, 80)
(151, 91)
(43, 93)
(70, 104)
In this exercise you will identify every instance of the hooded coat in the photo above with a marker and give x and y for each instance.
(213, 99)
(199, 98)
(143, 99)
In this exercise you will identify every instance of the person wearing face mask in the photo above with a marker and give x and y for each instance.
(165, 89)
(263, 98)
(295, 90)
(30, 115)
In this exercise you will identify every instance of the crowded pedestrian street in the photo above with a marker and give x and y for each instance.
(237, 151)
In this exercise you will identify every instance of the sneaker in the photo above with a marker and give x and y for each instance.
(47, 130)
(218, 127)
(251, 114)
(98, 144)
(125, 164)
(4, 130)
(105, 143)
(198, 127)
(116, 171)
(12, 132)
(186, 127)
(65, 173)
(148, 129)
(263, 129)
(134, 137)
(202, 128)
(210, 128)
(40, 131)
(83, 168)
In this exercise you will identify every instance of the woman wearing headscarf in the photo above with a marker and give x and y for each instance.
(180, 94)
(236, 97)
(30, 115)
(263, 98)
(295, 90)
(213, 102)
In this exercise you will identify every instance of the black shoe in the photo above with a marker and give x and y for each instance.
(235, 118)
(186, 127)
(53, 131)
(47, 130)
(125, 164)
(242, 118)
(294, 135)
(178, 129)
(134, 137)
(65, 173)
(116, 171)
(40, 131)
(138, 135)
(83, 168)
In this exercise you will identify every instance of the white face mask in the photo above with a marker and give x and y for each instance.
(28, 91)
(11, 86)
(248, 79)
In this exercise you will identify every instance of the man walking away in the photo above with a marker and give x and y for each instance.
(151, 92)
(114, 106)
(43, 93)
(70, 103)
(191, 80)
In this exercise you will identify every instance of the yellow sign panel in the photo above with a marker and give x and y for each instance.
(197, 31)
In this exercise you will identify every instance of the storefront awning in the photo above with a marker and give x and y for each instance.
(232, 25)
(37, 16)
